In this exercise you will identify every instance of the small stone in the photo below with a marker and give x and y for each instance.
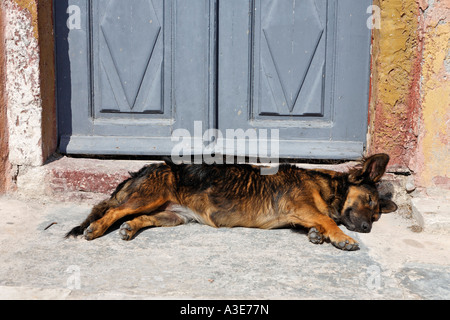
(410, 186)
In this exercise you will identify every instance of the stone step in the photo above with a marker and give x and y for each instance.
(432, 213)
(76, 179)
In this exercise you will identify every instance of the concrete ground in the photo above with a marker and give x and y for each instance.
(195, 261)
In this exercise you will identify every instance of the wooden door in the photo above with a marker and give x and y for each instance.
(300, 67)
(132, 72)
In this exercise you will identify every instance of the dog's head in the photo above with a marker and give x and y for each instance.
(363, 205)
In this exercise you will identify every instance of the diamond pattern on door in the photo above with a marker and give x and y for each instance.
(131, 56)
(292, 57)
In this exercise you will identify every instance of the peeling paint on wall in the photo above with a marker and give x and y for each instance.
(396, 72)
(433, 157)
(409, 111)
(31, 7)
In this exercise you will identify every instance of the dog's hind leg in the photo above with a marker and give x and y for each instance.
(98, 211)
(144, 192)
(134, 205)
(161, 219)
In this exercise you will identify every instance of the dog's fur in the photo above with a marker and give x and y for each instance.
(163, 195)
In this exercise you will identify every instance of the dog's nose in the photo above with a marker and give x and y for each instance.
(365, 227)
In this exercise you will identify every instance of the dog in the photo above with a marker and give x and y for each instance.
(166, 195)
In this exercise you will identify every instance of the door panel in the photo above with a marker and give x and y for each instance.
(129, 54)
(289, 65)
(133, 72)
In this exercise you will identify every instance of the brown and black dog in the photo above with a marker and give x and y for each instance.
(164, 195)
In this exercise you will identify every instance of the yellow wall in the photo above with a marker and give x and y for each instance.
(433, 161)
(31, 7)
(395, 70)
(410, 101)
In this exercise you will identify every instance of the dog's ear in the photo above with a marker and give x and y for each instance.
(371, 170)
(387, 206)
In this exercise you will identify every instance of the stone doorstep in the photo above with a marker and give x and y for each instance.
(432, 213)
(92, 180)
(76, 179)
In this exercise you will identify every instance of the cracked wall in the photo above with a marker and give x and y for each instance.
(409, 109)
(395, 77)
(432, 162)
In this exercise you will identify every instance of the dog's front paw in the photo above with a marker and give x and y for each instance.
(346, 243)
(315, 236)
(126, 231)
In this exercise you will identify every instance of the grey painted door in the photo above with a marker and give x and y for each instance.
(130, 73)
(134, 71)
(299, 66)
